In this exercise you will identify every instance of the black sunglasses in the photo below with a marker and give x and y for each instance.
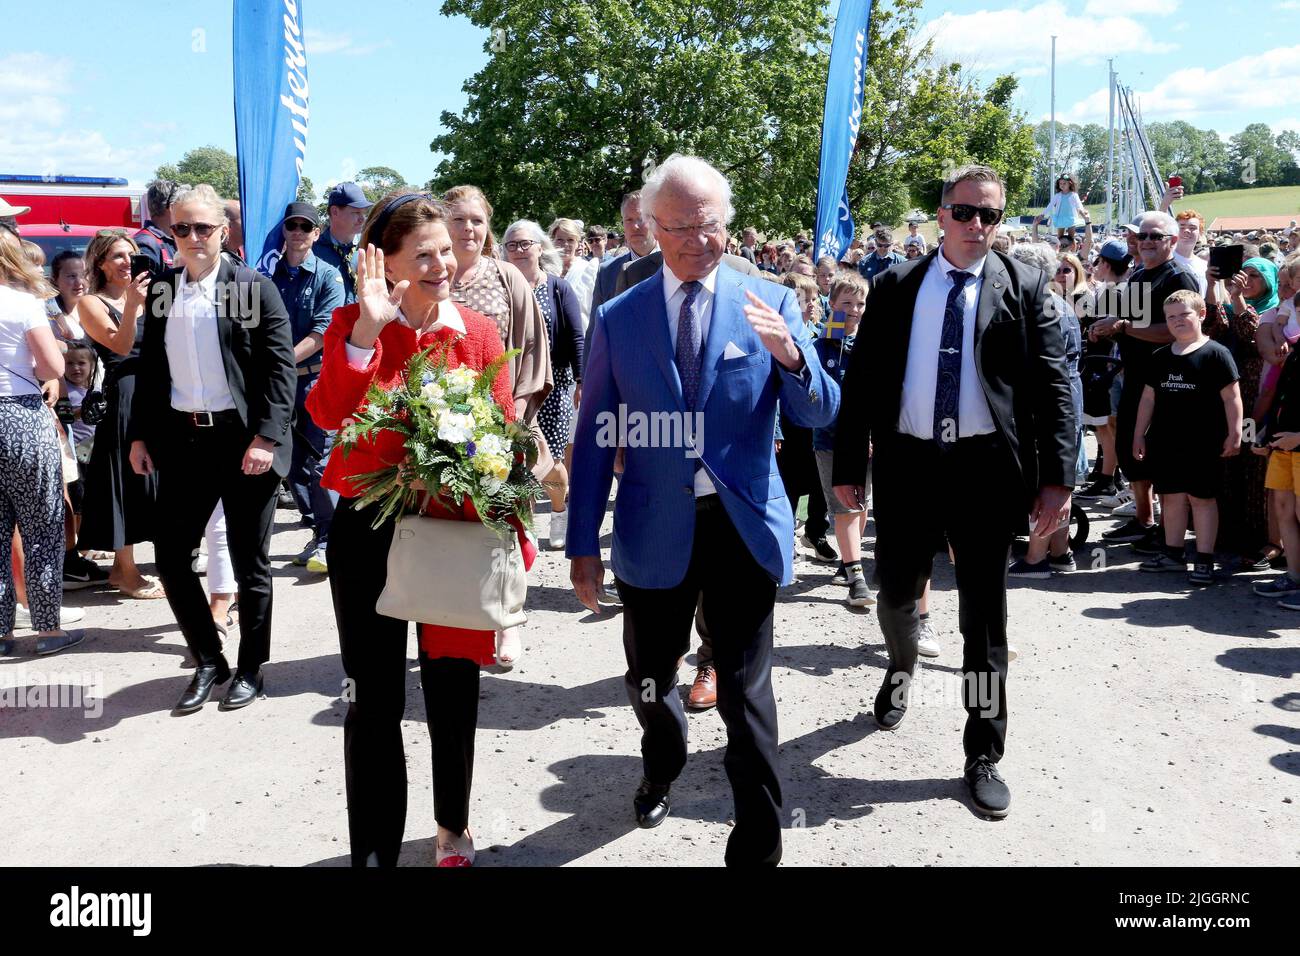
(298, 225)
(201, 229)
(964, 212)
(1152, 236)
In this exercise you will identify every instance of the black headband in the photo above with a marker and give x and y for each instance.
(376, 236)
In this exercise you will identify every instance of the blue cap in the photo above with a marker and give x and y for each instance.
(349, 194)
(1116, 250)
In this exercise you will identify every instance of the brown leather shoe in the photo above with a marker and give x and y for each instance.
(704, 692)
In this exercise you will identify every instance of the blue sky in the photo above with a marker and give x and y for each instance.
(89, 88)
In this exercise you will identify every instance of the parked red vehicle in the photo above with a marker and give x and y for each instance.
(76, 200)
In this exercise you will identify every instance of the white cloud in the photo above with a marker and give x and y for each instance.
(1013, 38)
(1280, 126)
(1251, 84)
(38, 136)
(1287, 5)
(1136, 8)
(320, 43)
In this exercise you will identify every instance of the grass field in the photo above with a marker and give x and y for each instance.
(1268, 201)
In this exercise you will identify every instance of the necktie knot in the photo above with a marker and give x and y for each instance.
(959, 279)
(692, 288)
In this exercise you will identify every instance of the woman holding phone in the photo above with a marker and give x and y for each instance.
(118, 503)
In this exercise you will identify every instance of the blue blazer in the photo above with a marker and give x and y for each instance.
(631, 375)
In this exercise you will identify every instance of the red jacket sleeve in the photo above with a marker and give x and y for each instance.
(339, 391)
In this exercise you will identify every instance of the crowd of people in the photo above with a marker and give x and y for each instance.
(132, 412)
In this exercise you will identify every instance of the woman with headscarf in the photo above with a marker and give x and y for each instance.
(1243, 506)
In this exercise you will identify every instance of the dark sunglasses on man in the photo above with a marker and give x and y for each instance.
(964, 212)
(201, 229)
(297, 225)
(1152, 236)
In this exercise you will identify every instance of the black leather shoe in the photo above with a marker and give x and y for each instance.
(651, 804)
(243, 691)
(891, 699)
(205, 678)
(988, 791)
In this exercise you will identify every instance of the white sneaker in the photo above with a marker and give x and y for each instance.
(1116, 500)
(1127, 509)
(1012, 653)
(559, 529)
(67, 615)
(927, 645)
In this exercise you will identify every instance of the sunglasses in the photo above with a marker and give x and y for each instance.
(1151, 236)
(964, 212)
(293, 225)
(520, 245)
(201, 229)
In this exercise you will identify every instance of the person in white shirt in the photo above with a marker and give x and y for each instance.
(31, 469)
(1191, 227)
(212, 409)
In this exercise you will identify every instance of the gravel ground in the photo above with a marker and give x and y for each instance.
(1150, 724)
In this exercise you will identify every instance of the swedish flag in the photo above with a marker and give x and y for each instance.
(836, 326)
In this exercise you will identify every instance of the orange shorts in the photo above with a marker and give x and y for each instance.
(1283, 471)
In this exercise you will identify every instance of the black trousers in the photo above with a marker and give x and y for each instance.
(200, 467)
(373, 649)
(969, 494)
(738, 597)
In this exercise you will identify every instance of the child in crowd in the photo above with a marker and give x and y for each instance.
(848, 300)
(78, 378)
(1192, 406)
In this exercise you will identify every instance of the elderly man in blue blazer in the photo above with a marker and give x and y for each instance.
(685, 371)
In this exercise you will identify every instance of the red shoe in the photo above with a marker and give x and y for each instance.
(455, 852)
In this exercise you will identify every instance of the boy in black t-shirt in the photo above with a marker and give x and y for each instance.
(1192, 405)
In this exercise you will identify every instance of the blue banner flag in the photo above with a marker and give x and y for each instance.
(843, 114)
(270, 119)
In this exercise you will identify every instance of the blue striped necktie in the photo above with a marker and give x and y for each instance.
(947, 387)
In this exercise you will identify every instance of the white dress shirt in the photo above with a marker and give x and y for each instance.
(448, 317)
(674, 296)
(194, 348)
(916, 417)
(1196, 266)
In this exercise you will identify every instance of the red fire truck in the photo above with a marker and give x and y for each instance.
(67, 211)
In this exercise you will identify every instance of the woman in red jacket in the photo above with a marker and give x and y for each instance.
(403, 305)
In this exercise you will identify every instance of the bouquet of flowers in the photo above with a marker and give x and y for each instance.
(459, 445)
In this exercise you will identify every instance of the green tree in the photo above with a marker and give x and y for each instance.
(1257, 158)
(378, 181)
(306, 191)
(207, 164)
(580, 100)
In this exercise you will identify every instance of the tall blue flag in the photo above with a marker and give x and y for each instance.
(270, 118)
(843, 114)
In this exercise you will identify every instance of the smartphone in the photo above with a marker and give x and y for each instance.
(1175, 181)
(141, 263)
(1227, 259)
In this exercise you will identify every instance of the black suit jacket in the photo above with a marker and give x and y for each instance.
(256, 350)
(1019, 356)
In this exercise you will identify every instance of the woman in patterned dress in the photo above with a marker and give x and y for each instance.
(496, 289)
(528, 249)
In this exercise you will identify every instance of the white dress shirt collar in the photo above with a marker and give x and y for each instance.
(207, 285)
(672, 283)
(448, 317)
(976, 269)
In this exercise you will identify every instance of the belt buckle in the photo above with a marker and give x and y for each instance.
(199, 423)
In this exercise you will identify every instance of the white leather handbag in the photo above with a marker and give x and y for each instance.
(454, 573)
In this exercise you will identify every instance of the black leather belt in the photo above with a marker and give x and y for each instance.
(208, 419)
(709, 503)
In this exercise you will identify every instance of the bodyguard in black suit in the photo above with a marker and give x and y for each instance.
(213, 404)
(958, 380)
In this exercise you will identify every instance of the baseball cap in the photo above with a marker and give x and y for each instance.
(7, 210)
(302, 210)
(349, 194)
(1115, 250)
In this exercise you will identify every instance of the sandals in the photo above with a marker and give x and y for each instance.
(455, 852)
(152, 590)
